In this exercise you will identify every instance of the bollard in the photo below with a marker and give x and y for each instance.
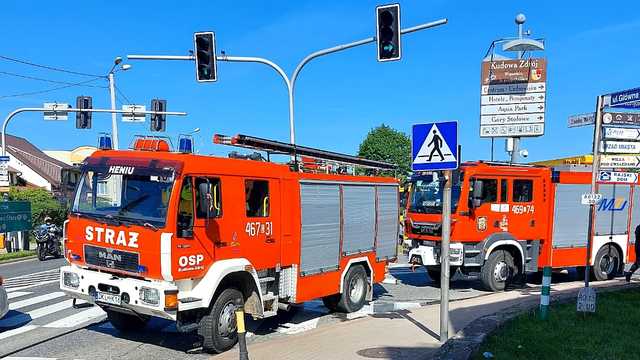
(546, 290)
(242, 339)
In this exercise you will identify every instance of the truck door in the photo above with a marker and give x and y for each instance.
(260, 237)
(489, 215)
(524, 224)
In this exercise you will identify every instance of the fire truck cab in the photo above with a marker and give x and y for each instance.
(155, 233)
(509, 220)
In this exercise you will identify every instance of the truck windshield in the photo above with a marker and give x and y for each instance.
(426, 194)
(139, 197)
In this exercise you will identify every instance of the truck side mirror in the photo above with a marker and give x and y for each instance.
(204, 202)
(476, 197)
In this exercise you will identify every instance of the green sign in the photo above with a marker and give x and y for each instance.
(15, 216)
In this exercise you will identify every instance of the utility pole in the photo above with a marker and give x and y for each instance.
(112, 93)
(444, 256)
(520, 19)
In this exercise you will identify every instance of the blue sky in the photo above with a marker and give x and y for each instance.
(339, 98)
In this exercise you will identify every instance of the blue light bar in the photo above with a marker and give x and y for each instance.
(104, 142)
(185, 145)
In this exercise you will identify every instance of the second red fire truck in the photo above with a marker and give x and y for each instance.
(509, 220)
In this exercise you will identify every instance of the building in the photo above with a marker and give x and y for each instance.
(572, 160)
(74, 157)
(31, 167)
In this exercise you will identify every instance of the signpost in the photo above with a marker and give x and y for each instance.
(513, 98)
(620, 161)
(620, 147)
(4, 174)
(56, 111)
(15, 216)
(582, 120)
(590, 198)
(435, 147)
(622, 133)
(134, 113)
(621, 119)
(628, 98)
(617, 177)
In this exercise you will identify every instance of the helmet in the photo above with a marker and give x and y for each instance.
(47, 219)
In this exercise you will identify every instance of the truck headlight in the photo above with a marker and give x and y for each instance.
(149, 296)
(70, 279)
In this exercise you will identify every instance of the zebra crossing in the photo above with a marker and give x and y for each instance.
(39, 310)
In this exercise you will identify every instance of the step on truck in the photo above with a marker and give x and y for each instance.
(179, 236)
(510, 220)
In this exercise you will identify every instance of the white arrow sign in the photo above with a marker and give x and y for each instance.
(511, 119)
(622, 133)
(512, 109)
(512, 88)
(526, 98)
(620, 161)
(620, 147)
(618, 177)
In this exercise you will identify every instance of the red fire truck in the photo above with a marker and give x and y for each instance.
(156, 233)
(511, 220)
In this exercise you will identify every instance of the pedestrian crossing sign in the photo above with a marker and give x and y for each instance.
(435, 146)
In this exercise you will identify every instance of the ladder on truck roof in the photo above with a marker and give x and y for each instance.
(278, 147)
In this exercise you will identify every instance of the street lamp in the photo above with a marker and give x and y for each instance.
(112, 93)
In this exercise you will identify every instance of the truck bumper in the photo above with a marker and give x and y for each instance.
(90, 282)
(430, 255)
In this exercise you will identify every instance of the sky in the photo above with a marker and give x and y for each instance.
(339, 98)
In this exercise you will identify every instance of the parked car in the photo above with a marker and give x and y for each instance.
(4, 300)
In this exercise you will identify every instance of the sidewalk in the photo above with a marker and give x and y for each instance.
(406, 334)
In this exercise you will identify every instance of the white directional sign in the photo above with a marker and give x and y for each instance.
(4, 171)
(617, 177)
(133, 114)
(511, 119)
(56, 111)
(511, 130)
(620, 147)
(582, 120)
(535, 108)
(512, 99)
(518, 88)
(622, 133)
(620, 161)
(590, 198)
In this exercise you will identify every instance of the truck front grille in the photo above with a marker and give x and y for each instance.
(433, 229)
(111, 258)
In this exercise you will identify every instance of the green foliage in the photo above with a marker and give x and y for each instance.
(384, 143)
(17, 255)
(610, 333)
(42, 204)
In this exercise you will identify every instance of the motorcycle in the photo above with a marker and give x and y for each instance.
(48, 240)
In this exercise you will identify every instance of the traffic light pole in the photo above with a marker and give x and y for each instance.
(114, 120)
(289, 82)
(112, 111)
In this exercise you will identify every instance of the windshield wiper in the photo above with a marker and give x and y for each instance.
(151, 226)
(132, 203)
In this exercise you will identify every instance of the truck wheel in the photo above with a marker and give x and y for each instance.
(126, 322)
(498, 271)
(607, 263)
(354, 290)
(218, 328)
(331, 302)
(434, 273)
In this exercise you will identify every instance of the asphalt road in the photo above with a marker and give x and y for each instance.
(44, 326)
(30, 266)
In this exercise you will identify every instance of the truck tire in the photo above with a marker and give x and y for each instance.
(607, 263)
(218, 328)
(498, 271)
(434, 273)
(354, 290)
(126, 322)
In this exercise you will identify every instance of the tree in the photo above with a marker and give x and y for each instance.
(42, 204)
(384, 143)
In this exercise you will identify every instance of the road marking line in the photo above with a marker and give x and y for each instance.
(35, 273)
(20, 318)
(9, 290)
(16, 294)
(78, 318)
(17, 331)
(35, 300)
(290, 329)
(28, 358)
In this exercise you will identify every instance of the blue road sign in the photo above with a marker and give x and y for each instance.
(4, 158)
(435, 146)
(627, 98)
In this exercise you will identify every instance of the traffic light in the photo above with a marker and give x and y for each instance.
(388, 35)
(158, 121)
(205, 46)
(83, 118)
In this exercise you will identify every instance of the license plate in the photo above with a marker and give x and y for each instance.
(107, 298)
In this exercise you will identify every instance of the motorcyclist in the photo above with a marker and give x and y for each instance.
(49, 242)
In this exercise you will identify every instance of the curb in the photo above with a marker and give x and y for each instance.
(466, 342)
(24, 258)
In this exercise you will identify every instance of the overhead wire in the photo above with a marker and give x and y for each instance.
(49, 90)
(48, 80)
(122, 94)
(52, 68)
